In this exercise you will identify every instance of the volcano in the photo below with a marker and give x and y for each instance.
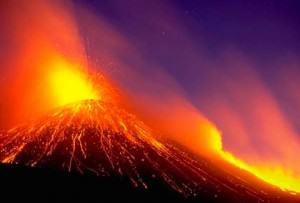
(114, 150)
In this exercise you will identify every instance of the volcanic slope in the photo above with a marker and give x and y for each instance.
(101, 139)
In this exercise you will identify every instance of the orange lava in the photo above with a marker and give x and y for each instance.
(68, 84)
(273, 174)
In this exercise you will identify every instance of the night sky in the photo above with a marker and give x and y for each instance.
(262, 30)
(185, 37)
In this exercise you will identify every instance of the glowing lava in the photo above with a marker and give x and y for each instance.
(68, 84)
(273, 174)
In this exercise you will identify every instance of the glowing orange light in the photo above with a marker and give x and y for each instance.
(215, 137)
(273, 173)
(68, 84)
(276, 175)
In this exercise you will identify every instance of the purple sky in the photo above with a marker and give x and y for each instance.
(215, 51)
(262, 30)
